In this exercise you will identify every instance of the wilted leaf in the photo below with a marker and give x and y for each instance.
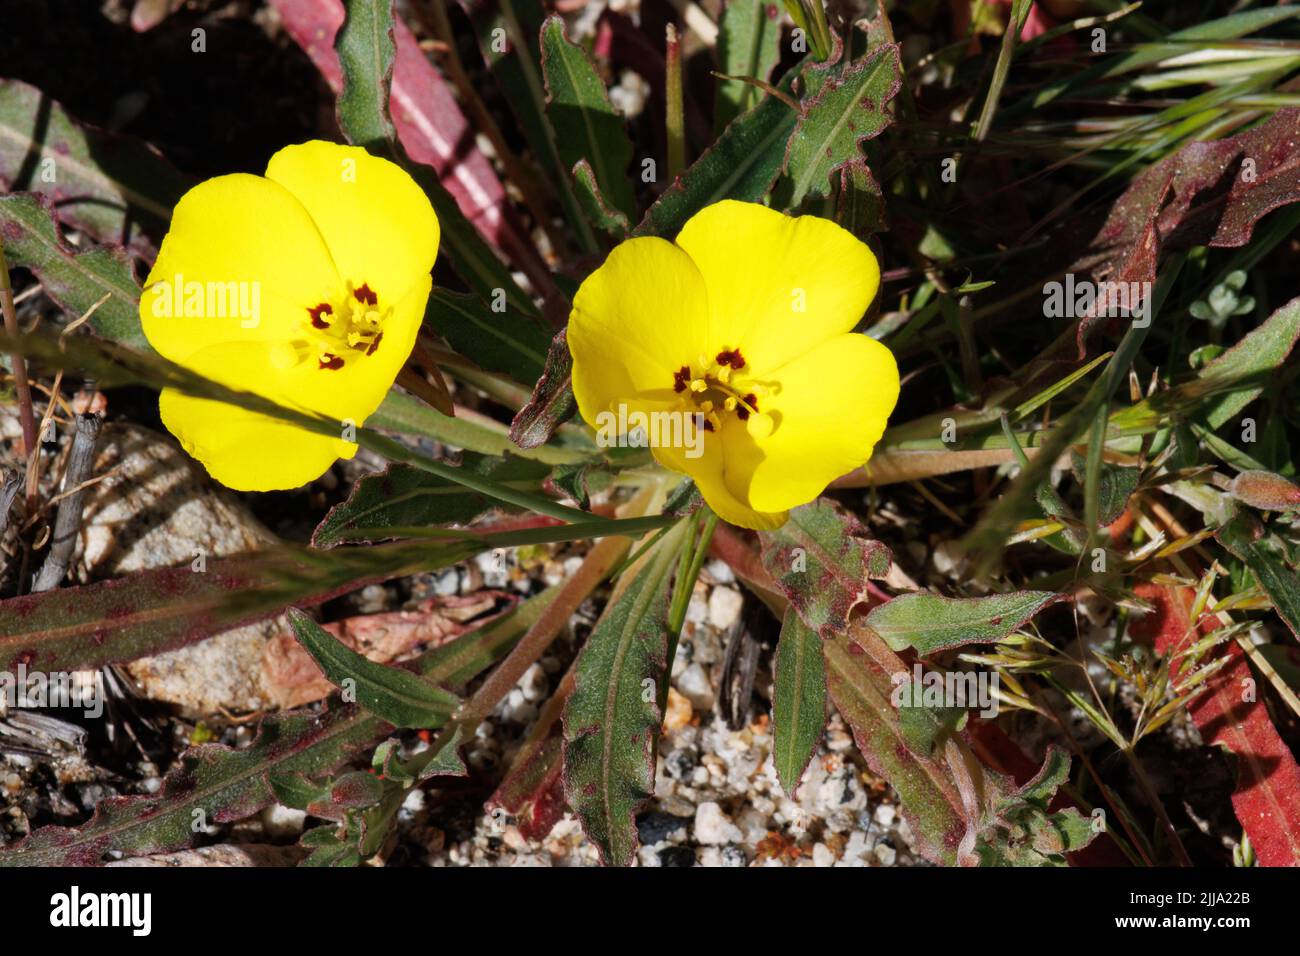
(552, 402)
(601, 214)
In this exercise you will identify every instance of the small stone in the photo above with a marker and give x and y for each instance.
(724, 607)
(680, 764)
(534, 685)
(885, 854)
(655, 826)
(720, 571)
(885, 815)
(822, 855)
(713, 827)
(280, 822)
(678, 713)
(677, 856)
(695, 686)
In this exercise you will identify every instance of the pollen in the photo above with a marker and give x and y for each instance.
(718, 391)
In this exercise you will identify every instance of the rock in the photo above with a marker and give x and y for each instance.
(822, 855)
(724, 607)
(678, 713)
(655, 826)
(281, 822)
(677, 856)
(713, 827)
(695, 686)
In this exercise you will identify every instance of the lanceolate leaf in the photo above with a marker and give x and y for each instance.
(929, 622)
(742, 165)
(75, 280)
(496, 340)
(552, 403)
(821, 559)
(749, 39)
(115, 189)
(210, 783)
(847, 109)
(798, 700)
(611, 721)
(586, 124)
(395, 695)
(403, 501)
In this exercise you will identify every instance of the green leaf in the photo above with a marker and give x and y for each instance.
(749, 38)
(402, 501)
(366, 53)
(847, 109)
(115, 189)
(75, 280)
(398, 696)
(821, 559)
(601, 214)
(741, 164)
(930, 622)
(496, 341)
(798, 700)
(612, 719)
(925, 726)
(585, 122)
(860, 206)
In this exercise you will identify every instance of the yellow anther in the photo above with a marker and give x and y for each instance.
(699, 385)
(730, 403)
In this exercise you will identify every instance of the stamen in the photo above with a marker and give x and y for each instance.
(316, 321)
(330, 361)
(375, 344)
(699, 385)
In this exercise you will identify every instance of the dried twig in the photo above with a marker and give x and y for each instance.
(67, 522)
(19, 364)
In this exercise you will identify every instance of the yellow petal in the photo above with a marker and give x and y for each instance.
(242, 261)
(242, 449)
(376, 221)
(636, 320)
(707, 471)
(777, 286)
(828, 408)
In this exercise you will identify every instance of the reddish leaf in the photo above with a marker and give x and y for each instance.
(1267, 797)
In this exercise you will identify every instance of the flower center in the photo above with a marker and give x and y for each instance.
(336, 333)
(723, 387)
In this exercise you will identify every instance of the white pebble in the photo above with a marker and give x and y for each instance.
(713, 827)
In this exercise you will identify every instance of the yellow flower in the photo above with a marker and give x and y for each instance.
(746, 323)
(307, 287)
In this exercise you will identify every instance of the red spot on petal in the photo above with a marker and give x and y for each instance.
(708, 425)
(375, 344)
(681, 378)
(365, 296)
(331, 362)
